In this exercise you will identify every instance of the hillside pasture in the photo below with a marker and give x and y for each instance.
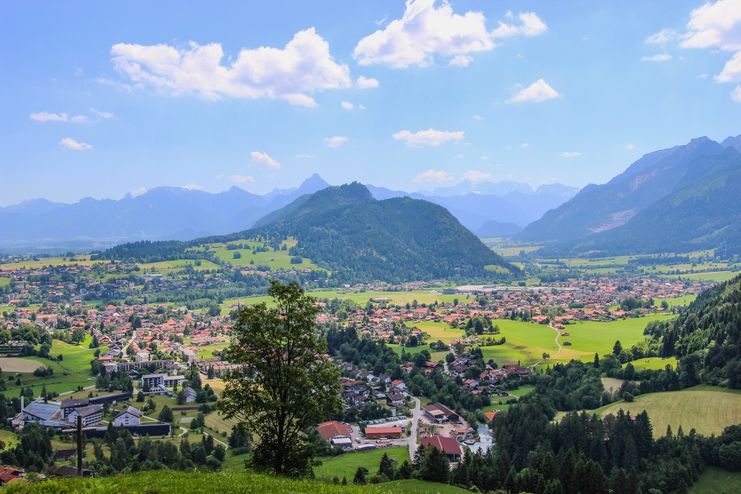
(654, 363)
(16, 364)
(346, 464)
(438, 331)
(174, 266)
(707, 409)
(48, 261)
(4, 281)
(717, 481)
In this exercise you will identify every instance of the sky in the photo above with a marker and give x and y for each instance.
(100, 99)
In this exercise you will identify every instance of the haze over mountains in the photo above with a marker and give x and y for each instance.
(175, 213)
(672, 200)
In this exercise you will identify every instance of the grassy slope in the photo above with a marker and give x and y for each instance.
(346, 464)
(232, 482)
(706, 408)
(717, 481)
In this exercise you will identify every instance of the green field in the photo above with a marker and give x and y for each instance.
(709, 276)
(676, 301)
(706, 408)
(346, 464)
(437, 331)
(717, 481)
(49, 261)
(359, 297)
(167, 267)
(71, 372)
(4, 281)
(226, 482)
(654, 363)
(414, 350)
(274, 259)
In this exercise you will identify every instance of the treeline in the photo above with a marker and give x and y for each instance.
(706, 337)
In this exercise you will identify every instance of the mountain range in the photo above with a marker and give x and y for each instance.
(174, 213)
(345, 230)
(677, 199)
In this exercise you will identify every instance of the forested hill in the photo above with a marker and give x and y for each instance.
(707, 336)
(360, 239)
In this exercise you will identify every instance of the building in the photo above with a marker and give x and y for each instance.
(189, 394)
(141, 357)
(70, 405)
(439, 413)
(152, 381)
(336, 433)
(447, 445)
(10, 474)
(393, 432)
(37, 411)
(129, 416)
(172, 381)
(91, 415)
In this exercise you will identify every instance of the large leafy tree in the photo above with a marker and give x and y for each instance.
(286, 382)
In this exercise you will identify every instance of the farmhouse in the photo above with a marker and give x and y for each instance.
(129, 416)
(337, 433)
(447, 445)
(10, 474)
(393, 432)
(437, 412)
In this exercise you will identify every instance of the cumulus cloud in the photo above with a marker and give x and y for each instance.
(74, 145)
(263, 159)
(715, 25)
(138, 191)
(241, 179)
(428, 137)
(105, 115)
(335, 141)
(433, 176)
(731, 70)
(430, 29)
(736, 94)
(366, 83)
(347, 105)
(537, 92)
(193, 187)
(530, 25)
(476, 176)
(630, 147)
(659, 57)
(292, 73)
(662, 37)
(570, 154)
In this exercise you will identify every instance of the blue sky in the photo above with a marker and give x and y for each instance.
(101, 99)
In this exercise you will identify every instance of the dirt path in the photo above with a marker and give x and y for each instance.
(416, 415)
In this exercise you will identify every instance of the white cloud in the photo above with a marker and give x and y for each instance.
(241, 179)
(537, 92)
(524, 145)
(483, 157)
(58, 117)
(366, 83)
(264, 159)
(303, 66)
(361, 107)
(530, 25)
(428, 137)
(662, 37)
(630, 147)
(138, 191)
(430, 29)
(736, 94)
(193, 187)
(347, 105)
(71, 143)
(659, 57)
(433, 176)
(731, 70)
(105, 115)
(570, 154)
(476, 176)
(478, 117)
(715, 24)
(335, 141)
(461, 61)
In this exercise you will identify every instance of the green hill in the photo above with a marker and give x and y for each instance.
(244, 482)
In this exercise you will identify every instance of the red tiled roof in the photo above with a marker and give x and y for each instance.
(447, 445)
(328, 430)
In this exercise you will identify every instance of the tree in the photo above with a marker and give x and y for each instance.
(434, 465)
(286, 383)
(165, 414)
(360, 474)
(617, 349)
(387, 467)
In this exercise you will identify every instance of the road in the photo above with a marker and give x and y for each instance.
(416, 415)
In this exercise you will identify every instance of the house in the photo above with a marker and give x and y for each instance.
(189, 394)
(70, 405)
(437, 412)
(393, 432)
(333, 428)
(141, 357)
(129, 416)
(490, 415)
(10, 474)
(37, 411)
(447, 445)
(172, 381)
(395, 399)
(91, 415)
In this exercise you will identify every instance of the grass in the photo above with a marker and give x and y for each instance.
(274, 259)
(707, 409)
(435, 356)
(654, 363)
(438, 331)
(346, 464)
(49, 261)
(4, 281)
(226, 482)
(174, 266)
(709, 276)
(717, 481)
(680, 301)
(359, 297)
(15, 364)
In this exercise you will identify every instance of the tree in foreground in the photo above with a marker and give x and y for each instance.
(285, 384)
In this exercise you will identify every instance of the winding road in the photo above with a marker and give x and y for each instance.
(416, 415)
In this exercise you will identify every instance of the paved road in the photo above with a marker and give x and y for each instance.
(416, 415)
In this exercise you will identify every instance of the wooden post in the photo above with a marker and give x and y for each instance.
(79, 445)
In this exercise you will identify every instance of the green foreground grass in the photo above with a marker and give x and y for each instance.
(707, 409)
(231, 482)
(717, 481)
(346, 464)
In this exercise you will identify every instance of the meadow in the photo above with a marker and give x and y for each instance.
(226, 482)
(48, 261)
(4, 281)
(654, 363)
(717, 481)
(174, 266)
(707, 409)
(346, 464)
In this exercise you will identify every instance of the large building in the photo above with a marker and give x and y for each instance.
(439, 413)
(393, 432)
(129, 416)
(448, 445)
(91, 415)
(336, 433)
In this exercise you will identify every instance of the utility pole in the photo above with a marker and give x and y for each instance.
(79, 445)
